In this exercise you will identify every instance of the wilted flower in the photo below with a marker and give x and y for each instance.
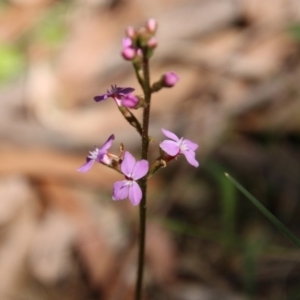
(117, 93)
(175, 147)
(133, 170)
(99, 154)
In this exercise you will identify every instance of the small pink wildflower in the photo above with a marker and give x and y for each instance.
(175, 147)
(99, 155)
(133, 170)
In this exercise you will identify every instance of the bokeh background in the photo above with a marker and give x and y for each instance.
(61, 235)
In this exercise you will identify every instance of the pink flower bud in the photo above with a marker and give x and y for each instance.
(126, 42)
(152, 42)
(130, 32)
(128, 53)
(139, 52)
(151, 25)
(170, 79)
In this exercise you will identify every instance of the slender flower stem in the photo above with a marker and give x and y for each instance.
(143, 182)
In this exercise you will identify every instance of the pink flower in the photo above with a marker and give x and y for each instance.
(175, 147)
(99, 154)
(133, 170)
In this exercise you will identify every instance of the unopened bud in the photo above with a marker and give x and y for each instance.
(151, 25)
(152, 42)
(128, 53)
(170, 79)
(130, 32)
(126, 42)
(139, 53)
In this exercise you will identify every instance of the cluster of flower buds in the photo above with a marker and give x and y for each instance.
(139, 41)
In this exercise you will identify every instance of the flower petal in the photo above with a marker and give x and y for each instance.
(170, 135)
(108, 143)
(135, 193)
(126, 42)
(170, 147)
(84, 168)
(140, 169)
(130, 101)
(127, 164)
(191, 145)
(101, 97)
(190, 157)
(120, 190)
(126, 90)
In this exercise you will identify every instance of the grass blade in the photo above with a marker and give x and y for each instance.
(264, 211)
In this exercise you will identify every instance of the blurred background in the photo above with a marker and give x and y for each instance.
(61, 235)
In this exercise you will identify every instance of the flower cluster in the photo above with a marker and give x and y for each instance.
(138, 47)
(135, 170)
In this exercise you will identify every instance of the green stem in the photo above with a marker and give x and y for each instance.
(143, 181)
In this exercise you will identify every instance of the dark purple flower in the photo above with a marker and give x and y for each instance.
(170, 79)
(117, 93)
(133, 170)
(99, 155)
(175, 147)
